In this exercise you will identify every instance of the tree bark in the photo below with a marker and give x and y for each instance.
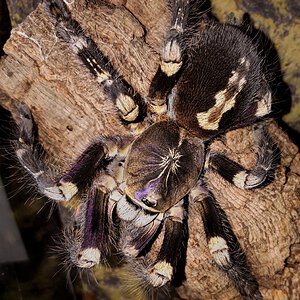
(71, 110)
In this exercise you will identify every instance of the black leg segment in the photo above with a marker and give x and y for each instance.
(268, 157)
(128, 102)
(32, 157)
(224, 246)
(171, 53)
(82, 171)
(97, 229)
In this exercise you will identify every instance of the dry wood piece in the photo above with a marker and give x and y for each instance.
(70, 110)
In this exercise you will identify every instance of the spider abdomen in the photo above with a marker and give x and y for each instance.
(222, 86)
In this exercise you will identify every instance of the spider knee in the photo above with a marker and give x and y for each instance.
(88, 258)
(220, 252)
(67, 189)
(160, 274)
(128, 108)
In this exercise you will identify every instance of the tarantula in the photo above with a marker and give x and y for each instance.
(211, 79)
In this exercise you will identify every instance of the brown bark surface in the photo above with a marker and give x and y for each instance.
(70, 110)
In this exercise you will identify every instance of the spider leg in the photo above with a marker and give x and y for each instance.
(263, 171)
(223, 244)
(139, 230)
(89, 237)
(81, 172)
(156, 267)
(97, 228)
(171, 53)
(170, 252)
(28, 152)
(30, 156)
(120, 92)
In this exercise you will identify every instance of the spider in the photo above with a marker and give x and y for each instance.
(135, 189)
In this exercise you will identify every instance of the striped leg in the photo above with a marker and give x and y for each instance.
(88, 239)
(186, 17)
(139, 227)
(80, 174)
(120, 92)
(31, 157)
(171, 54)
(97, 229)
(84, 168)
(156, 269)
(262, 173)
(170, 253)
(223, 244)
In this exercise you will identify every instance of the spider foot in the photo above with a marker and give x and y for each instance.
(31, 156)
(95, 234)
(268, 158)
(74, 252)
(147, 246)
(219, 250)
(156, 265)
(225, 248)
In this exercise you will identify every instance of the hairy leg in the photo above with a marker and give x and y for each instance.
(223, 244)
(171, 53)
(167, 260)
(97, 228)
(31, 157)
(156, 265)
(28, 152)
(261, 174)
(128, 102)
